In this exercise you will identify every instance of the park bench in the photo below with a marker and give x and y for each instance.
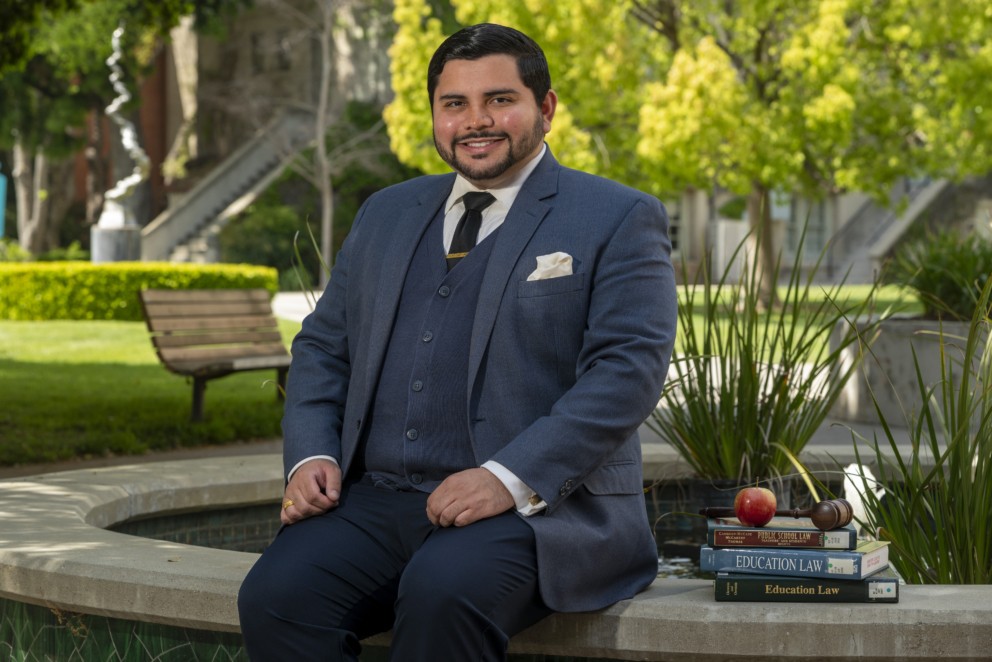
(206, 334)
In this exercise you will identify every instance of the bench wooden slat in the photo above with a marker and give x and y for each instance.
(259, 362)
(244, 322)
(171, 354)
(207, 309)
(204, 296)
(230, 338)
(213, 368)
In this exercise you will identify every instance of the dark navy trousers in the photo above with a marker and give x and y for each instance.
(376, 563)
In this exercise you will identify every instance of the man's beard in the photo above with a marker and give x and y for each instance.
(515, 153)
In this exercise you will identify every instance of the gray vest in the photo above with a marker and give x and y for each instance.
(419, 431)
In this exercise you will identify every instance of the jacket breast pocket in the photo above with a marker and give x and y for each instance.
(550, 286)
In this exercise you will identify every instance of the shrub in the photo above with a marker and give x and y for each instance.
(84, 291)
(937, 489)
(946, 269)
(11, 251)
(751, 386)
(264, 234)
(73, 252)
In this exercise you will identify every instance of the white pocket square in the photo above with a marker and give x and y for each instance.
(554, 265)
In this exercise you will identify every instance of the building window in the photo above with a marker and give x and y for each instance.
(810, 215)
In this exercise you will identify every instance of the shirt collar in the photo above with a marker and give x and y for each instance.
(505, 195)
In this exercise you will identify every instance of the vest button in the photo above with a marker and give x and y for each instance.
(428, 336)
(412, 434)
(416, 479)
(417, 386)
(444, 290)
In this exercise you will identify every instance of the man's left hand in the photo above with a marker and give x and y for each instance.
(467, 497)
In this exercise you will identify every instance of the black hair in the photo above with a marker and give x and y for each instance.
(478, 41)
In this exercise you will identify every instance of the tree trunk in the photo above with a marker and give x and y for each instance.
(43, 191)
(759, 216)
(60, 198)
(30, 174)
(96, 180)
(324, 172)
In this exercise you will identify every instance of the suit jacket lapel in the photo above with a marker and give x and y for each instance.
(526, 214)
(399, 246)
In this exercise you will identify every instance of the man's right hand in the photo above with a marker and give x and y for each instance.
(314, 489)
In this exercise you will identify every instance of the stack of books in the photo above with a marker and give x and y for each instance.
(789, 560)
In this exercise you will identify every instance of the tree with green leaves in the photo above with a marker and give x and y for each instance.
(54, 94)
(45, 105)
(18, 21)
(595, 126)
(750, 96)
(814, 96)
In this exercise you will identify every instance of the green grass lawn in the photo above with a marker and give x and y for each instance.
(71, 389)
(91, 389)
(888, 300)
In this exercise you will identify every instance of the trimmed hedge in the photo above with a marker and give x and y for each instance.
(84, 291)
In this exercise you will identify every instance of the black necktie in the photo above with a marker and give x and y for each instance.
(467, 230)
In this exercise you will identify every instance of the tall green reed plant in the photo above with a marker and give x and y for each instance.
(307, 286)
(936, 509)
(752, 385)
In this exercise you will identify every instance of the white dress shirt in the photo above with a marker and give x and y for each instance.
(526, 500)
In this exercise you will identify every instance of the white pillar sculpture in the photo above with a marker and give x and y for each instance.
(117, 236)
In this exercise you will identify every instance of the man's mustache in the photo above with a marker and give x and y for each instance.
(480, 136)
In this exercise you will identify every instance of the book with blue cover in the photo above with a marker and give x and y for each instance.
(868, 558)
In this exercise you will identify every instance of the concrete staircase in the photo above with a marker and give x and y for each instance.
(859, 248)
(187, 231)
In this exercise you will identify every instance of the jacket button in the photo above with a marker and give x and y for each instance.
(416, 479)
(412, 434)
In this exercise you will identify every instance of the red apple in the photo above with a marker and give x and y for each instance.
(755, 506)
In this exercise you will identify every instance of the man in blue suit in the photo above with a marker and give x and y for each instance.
(461, 417)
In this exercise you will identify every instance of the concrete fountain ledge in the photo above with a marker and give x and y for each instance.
(54, 551)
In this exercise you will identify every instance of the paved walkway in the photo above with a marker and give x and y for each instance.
(293, 305)
(266, 446)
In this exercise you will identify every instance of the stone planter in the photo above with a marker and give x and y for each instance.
(888, 369)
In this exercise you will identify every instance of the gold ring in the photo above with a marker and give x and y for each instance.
(287, 503)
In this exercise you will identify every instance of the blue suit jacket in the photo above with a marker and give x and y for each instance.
(562, 371)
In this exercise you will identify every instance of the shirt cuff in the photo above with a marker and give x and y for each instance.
(527, 501)
(299, 464)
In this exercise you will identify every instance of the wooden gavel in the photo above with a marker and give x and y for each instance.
(826, 515)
